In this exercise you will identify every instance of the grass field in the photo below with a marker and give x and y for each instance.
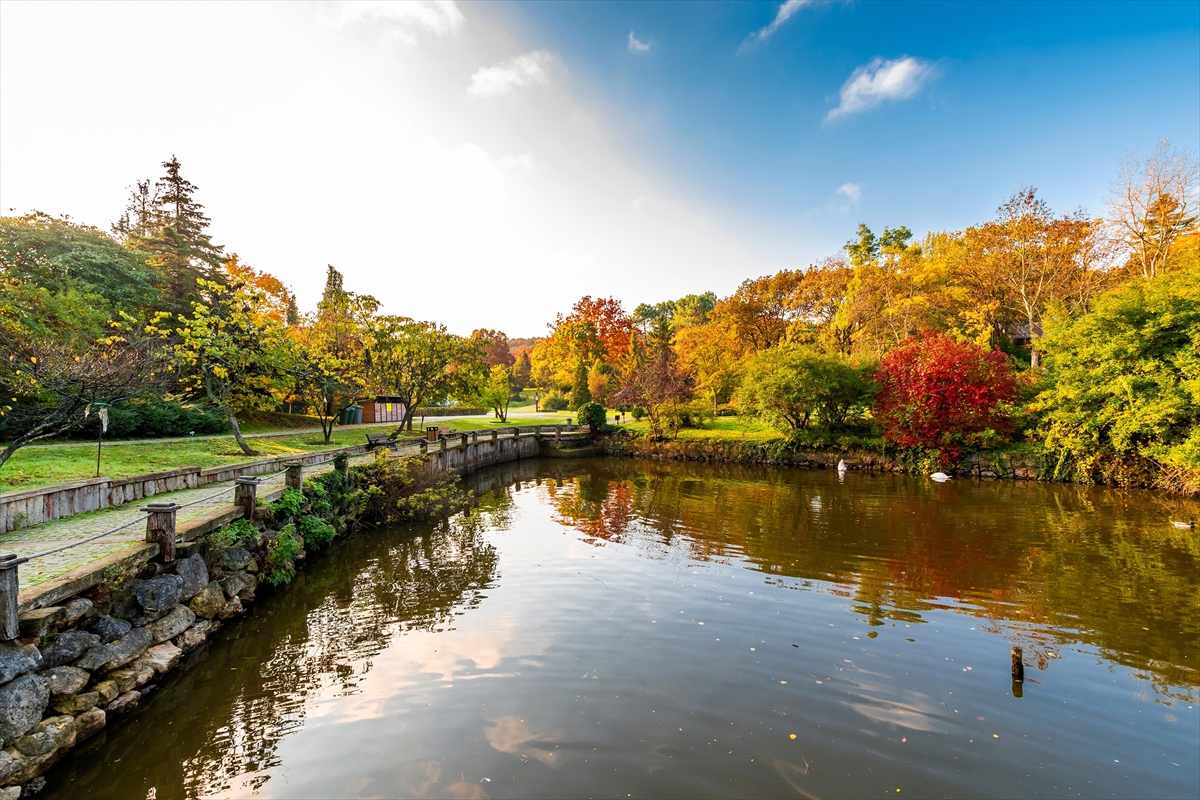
(40, 466)
(744, 429)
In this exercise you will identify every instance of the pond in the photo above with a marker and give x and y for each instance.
(631, 629)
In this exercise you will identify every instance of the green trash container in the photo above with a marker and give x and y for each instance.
(346, 417)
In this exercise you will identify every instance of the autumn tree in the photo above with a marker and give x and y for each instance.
(757, 314)
(417, 361)
(493, 346)
(709, 353)
(230, 349)
(330, 370)
(942, 394)
(659, 386)
(522, 369)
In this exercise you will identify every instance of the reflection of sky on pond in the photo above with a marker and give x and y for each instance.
(608, 628)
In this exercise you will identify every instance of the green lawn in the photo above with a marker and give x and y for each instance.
(38, 466)
(743, 429)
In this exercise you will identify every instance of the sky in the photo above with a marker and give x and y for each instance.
(487, 164)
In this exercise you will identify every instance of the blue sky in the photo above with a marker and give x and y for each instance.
(1050, 94)
(486, 164)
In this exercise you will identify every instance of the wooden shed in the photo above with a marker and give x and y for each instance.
(382, 408)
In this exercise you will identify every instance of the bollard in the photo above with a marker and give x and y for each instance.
(10, 623)
(431, 434)
(294, 479)
(557, 434)
(1018, 665)
(568, 424)
(424, 448)
(494, 434)
(160, 527)
(245, 494)
(442, 444)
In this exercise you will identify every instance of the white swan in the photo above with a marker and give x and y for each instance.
(841, 466)
(940, 477)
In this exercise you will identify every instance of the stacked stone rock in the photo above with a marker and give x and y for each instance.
(75, 668)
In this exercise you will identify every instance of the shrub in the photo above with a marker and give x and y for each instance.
(400, 490)
(593, 414)
(942, 394)
(239, 533)
(316, 532)
(289, 504)
(791, 385)
(638, 412)
(1124, 397)
(555, 404)
(280, 566)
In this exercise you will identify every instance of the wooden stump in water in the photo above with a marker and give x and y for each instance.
(1018, 666)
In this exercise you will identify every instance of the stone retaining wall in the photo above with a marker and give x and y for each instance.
(984, 466)
(79, 665)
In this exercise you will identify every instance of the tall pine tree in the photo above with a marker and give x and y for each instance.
(169, 225)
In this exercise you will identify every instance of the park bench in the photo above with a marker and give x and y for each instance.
(378, 440)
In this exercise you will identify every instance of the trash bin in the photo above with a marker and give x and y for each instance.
(346, 417)
(357, 415)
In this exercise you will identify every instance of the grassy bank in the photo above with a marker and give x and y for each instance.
(39, 466)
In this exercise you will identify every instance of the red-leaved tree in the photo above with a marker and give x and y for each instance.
(943, 394)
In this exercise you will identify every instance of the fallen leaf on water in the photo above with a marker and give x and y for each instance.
(791, 736)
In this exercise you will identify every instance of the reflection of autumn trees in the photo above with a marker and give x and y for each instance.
(1046, 565)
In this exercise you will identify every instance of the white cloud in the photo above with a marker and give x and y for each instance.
(881, 80)
(439, 17)
(637, 47)
(524, 70)
(852, 193)
(784, 13)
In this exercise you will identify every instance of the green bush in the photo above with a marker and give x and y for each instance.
(593, 414)
(790, 386)
(289, 504)
(280, 564)
(555, 404)
(316, 532)
(638, 412)
(1123, 403)
(239, 533)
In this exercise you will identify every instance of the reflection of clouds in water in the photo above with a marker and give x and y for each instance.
(913, 710)
(421, 778)
(511, 734)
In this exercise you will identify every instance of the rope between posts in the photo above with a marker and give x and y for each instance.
(59, 549)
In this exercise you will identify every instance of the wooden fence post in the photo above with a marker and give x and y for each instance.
(245, 494)
(424, 448)
(294, 479)
(160, 527)
(557, 434)
(10, 623)
(495, 433)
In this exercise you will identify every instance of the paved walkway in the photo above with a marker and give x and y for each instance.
(37, 538)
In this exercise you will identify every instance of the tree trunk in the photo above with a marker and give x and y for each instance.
(237, 431)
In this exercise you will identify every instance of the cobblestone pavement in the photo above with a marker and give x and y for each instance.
(37, 538)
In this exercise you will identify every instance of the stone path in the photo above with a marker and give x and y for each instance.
(37, 538)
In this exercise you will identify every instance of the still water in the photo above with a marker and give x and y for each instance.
(630, 629)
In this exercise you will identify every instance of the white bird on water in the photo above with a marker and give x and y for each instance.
(940, 477)
(1183, 524)
(841, 466)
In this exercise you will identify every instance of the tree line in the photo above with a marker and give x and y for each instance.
(1074, 334)
(1077, 335)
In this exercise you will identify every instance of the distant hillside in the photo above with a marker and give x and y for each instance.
(516, 345)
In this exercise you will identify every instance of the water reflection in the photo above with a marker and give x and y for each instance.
(618, 627)
(1045, 566)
